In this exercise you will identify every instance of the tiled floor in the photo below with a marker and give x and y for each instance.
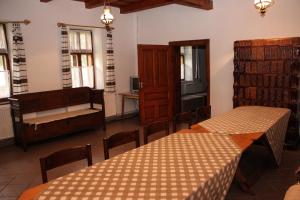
(20, 170)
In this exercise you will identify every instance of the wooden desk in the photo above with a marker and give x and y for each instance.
(128, 95)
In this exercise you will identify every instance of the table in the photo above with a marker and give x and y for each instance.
(128, 95)
(268, 122)
(248, 124)
(191, 154)
(178, 166)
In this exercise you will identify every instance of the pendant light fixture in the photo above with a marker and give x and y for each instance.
(107, 18)
(262, 5)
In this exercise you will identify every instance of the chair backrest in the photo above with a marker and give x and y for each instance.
(203, 113)
(155, 127)
(63, 157)
(184, 118)
(120, 139)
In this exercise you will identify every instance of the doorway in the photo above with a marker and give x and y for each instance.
(191, 66)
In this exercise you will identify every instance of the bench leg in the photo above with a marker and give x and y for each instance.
(24, 145)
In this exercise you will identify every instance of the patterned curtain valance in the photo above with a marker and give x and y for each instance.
(19, 70)
(110, 82)
(65, 57)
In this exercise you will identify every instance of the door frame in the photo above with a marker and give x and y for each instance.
(174, 45)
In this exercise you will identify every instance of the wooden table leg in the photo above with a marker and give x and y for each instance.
(123, 104)
(242, 181)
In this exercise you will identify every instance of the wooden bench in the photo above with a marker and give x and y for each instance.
(79, 109)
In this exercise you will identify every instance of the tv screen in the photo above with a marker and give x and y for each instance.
(134, 84)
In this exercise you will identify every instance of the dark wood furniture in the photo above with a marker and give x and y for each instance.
(188, 118)
(26, 133)
(120, 139)
(203, 113)
(266, 73)
(63, 157)
(155, 127)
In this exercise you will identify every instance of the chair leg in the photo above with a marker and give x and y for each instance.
(174, 126)
(105, 146)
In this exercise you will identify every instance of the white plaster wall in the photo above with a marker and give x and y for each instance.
(41, 39)
(42, 44)
(230, 20)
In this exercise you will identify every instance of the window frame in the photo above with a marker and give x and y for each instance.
(78, 55)
(8, 67)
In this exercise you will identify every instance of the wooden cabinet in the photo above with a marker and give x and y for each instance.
(267, 73)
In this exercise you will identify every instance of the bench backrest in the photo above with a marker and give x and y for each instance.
(54, 99)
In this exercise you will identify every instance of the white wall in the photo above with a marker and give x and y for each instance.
(230, 20)
(42, 44)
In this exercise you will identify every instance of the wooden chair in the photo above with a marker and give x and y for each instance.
(203, 113)
(293, 193)
(184, 118)
(155, 127)
(63, 157)
(119, 139)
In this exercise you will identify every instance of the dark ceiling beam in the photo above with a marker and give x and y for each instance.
(203, 4)
(97, 3)
(138, 5)
(143, 5)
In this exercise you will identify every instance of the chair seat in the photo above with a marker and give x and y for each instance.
(293, 193)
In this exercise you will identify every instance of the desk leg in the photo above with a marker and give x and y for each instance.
(123, 104)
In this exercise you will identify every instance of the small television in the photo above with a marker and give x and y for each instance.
(134, 84)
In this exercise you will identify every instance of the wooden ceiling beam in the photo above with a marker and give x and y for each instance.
(97, 3)
(143, 5)
(203, 4)
(128, 6)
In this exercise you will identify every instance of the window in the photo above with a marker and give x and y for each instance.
(82, 60)
(4, 65)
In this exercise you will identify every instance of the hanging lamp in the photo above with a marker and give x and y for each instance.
(107, 18)
(262, 5)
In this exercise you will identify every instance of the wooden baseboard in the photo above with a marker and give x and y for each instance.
(120, 117)
(7, 142)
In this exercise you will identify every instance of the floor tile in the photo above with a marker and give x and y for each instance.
(13, 190)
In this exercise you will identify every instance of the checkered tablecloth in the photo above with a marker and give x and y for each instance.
(179, 166)
(253, 119)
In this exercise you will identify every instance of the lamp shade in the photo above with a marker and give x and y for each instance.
(262, 5)
(107, 18)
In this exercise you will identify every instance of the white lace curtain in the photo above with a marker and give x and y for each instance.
(86, 72)
(4, 84)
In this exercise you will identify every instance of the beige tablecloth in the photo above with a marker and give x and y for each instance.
(179, 166)
(253, 119)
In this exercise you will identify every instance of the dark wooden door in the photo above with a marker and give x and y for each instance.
(156, 88)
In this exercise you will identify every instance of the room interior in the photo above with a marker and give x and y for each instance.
(154, 91)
